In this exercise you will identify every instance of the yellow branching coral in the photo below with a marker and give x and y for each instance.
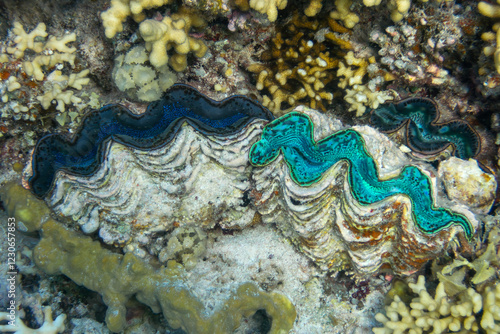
(119, 277)
(300, 67)
(455, 307)
(358, 95)
(173, 32)
(114, 17)
(344, 13)
(39, 67)
(467, 313)
(492, 11)
(269, 7)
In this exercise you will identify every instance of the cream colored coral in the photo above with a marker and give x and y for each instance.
(313, 8)
(138, 79)
(49, 326)
(12, 84)
(344, 14)
(360, 97)
(113, 18)
(493, 11)
(59, 44)
(26, 40)
(269, 7)
(442, 314)
(398, 8)
(34, 67)
(172, 32)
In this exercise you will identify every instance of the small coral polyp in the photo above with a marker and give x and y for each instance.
(292, 135)
(423, 134)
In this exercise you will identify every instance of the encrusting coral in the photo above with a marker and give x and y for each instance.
(53, 56)
(120, 277)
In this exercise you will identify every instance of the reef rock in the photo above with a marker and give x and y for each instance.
(467, 184)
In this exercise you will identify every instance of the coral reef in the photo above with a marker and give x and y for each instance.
(153, 129)
(49, 326)
(114, 17)
(268, 7)
(27, 90)
(172, 32)
(423, 134)
(64, 251)
(466, 300)
(305, 61)
(308, 161)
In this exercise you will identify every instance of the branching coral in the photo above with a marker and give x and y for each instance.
(459, 305)
(492, 11)
(31, 80)
(49, 326)
(160, 36)
(114, 17)
(467, 313)
(269, 7)
(300, 67)
(120, 277)
(173, 32)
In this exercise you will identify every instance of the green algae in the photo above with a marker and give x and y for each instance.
(119, 277)
(292, 135)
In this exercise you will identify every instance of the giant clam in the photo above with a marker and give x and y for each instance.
(204, 178)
